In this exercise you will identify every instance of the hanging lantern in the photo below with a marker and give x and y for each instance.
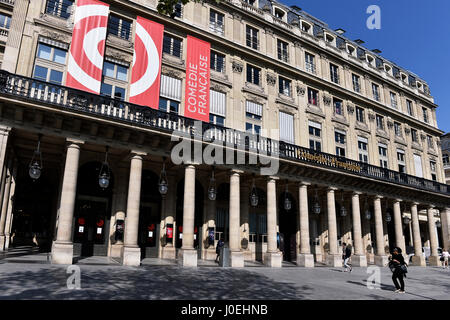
(438, 224)
(254, 195)
(316, 206)
(287, 201)
(406, 220)
(104, 176)
(163, 185)
(367, 213)
(343, 210)
(212, 191)
(388, 217)
(35, 167)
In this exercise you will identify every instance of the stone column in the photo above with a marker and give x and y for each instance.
(334, 258)
(273, 257)
(445, 221)
(245, 226)
(433, 260)
(5, 202)
(418, 259)
(62, 249)
(120, 206)
(359, 258)
(305, 258)
(398, 224)
(187, 255)
(236, 256)
(131, 251)
(381, 258)
(168, 214)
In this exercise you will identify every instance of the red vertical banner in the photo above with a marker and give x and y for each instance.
(196, 102)
(146, 71)
(84, 69)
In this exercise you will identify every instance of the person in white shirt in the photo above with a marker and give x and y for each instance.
(445, 255)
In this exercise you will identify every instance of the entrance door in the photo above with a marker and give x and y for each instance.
(91, 226)
(149, 221)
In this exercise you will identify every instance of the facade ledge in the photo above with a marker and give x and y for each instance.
(315, 110)
(382, 133)
(400, 140)
(173, 61)
(251, 88)
(416, 146)
(340, 119)
(362, 126)
(286, 101)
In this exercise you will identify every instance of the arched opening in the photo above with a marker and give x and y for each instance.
(287, 219)
(198, 219)
(34, 208)
(92, 212)
(149, 215)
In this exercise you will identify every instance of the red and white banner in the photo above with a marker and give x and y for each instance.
(146, 72)
(84, 69)
(196, 105)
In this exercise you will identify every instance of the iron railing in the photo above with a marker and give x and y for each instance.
(122, 111)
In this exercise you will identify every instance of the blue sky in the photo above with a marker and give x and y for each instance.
(414, 34)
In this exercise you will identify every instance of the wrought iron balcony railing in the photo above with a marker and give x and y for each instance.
(105, 107)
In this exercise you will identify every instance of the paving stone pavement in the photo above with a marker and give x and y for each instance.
(170, 282)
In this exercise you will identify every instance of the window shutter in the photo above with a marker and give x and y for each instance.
(170, 88)
(218, 103)
(286, 122)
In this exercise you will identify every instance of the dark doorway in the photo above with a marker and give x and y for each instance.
(287, 238)
(92, 212)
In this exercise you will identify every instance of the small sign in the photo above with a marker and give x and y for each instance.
(150, 234)
(99, 230)
(195, 237)
(81, 229)
(181, 236)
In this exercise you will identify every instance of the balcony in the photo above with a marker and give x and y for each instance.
(8, 2)
(68, 99)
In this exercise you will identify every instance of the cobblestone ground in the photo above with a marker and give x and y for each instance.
(46, 281)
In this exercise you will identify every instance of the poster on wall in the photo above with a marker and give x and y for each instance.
(146, 69)
(84, 68)
(196, 105)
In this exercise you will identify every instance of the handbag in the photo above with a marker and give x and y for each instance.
(404, 268)
(442, 258)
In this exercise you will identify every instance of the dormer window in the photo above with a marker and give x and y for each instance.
(305, 26)
(329, 39)
(403, 77)
(278, 13)
(387, 68)
(370, 60)
(250, 2)
(419, 86)
(351, 50)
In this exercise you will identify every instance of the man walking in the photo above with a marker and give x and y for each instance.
(346, 254)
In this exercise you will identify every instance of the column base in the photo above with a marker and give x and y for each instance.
(236, 259)
(62, 253)
(359, 261)
(116, 250)
(187, 258)
(334, 260)
(381, 261)
(418, 261)
(305, 260)
(273, 259)
(434, 261)
(2, 243)
(131, 256)
(168, 252)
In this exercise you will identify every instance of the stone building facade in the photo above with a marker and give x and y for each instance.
(355, 137)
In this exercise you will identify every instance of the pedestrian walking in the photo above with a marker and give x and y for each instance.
(220, 244)
(346, 254)
(398, 266)
(444, 258)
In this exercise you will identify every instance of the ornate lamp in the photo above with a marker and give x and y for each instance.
(104, 175)
(367, 212)
(388, 217)
(212, 191)
(254, 195)
(35, 167)
(343, 210)
(287, 201)
(438, 224)
(163, 185)
(406, 220)
(316, 206)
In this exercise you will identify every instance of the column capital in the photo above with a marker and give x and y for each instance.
(398, 200)
(356, 193)
(414, 203)
(137, 153)
(74, 141)
(378, 197)
(236, 171)
(274, 178)
(304, 184)
(332, 189)
(431, 207)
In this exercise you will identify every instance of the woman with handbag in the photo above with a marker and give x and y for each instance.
(398, 265)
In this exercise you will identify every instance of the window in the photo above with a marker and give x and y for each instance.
(338, 107)
(409, 107)
(401, 161)
(49, 64)
(306, 27)
(178, 10)
(216, 22)
(433, 170)
(218, 104)
(397, 129)
(60, 8)
(360, 114)
(215, 119)
(382, 151)
(380, 122)
(315, 140)
(111, 90)
(278, 13)
(414, 136)
(339, 138)
(286, 125)
(430, 142)
(313, 97)
(284, 86)
(116, 71)
(253, 114)
(169, 94)
(393, 100)
(168, 105)
(47, 74)
(119, 27)
(253, 74)
(425, 114)
(309, 63)
(334, 74)
(50, 53)
(356, 83)
(376, 92)
(172, 46)
(217, 62)
(418, 165)
(446, 159)
(252, 37)
(282, 48)
(363, 149)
